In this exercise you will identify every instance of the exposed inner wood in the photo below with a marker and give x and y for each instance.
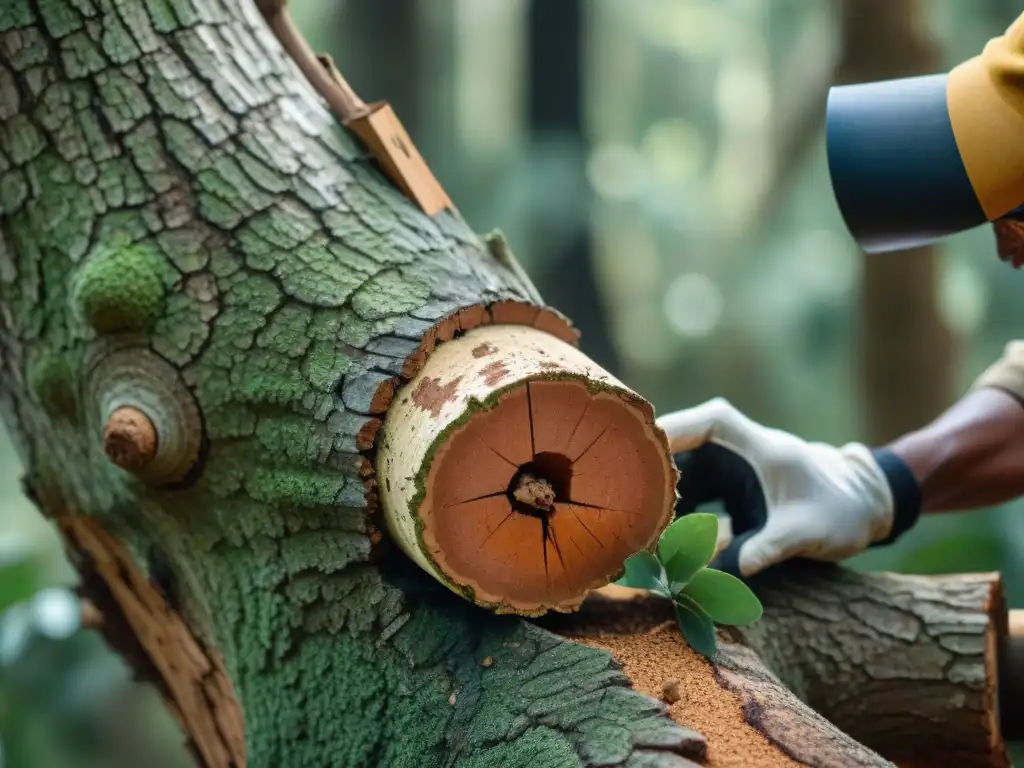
(519, 473)
(590, 470)
(155, 640)
(129, 439)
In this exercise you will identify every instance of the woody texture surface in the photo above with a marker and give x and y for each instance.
(339, 485)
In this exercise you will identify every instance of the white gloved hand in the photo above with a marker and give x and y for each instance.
(786, 497)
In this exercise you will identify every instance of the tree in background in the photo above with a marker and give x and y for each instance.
(556, 114)
(908, 353)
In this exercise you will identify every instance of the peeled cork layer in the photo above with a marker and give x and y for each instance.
(520, 474)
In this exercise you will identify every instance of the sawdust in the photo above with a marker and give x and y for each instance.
(655, 659)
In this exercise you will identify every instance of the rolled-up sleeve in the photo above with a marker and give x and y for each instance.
(1007, 373)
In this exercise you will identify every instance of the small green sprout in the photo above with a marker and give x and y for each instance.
(702, 596)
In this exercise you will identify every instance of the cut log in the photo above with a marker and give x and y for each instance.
(908, 665)
(519, 474)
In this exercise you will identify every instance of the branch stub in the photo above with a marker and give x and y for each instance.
(130, 439)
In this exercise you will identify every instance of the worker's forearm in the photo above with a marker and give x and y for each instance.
(972, 456)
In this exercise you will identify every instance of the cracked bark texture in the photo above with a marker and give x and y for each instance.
(182, 223)
(907, 665)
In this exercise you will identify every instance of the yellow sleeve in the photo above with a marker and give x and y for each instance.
(985, 98)
(1003, 60)
(1006, 374)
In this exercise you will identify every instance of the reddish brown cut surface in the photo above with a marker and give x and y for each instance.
(490, 522)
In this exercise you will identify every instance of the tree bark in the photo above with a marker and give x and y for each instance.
(187, 233)
(908, 353)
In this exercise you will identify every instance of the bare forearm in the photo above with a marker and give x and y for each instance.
(972, 456)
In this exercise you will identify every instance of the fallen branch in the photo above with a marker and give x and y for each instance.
(840, 664)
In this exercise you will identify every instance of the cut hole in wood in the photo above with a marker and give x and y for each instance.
(538, 473)
(541, 482)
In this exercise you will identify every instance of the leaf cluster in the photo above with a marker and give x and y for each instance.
(702, 596)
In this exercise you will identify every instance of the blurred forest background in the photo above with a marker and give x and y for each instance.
(658, 166)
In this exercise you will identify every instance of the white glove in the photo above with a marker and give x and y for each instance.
(787, 497)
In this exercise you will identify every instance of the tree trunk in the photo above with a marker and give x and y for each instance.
(556, 112)
(908, 353)
(209, 300)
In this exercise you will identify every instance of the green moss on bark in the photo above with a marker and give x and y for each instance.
(120, 290)
(51, 379)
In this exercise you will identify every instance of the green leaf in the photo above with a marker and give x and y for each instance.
(688, 545)
(697, 627)
(726, 599)
(643, 571)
